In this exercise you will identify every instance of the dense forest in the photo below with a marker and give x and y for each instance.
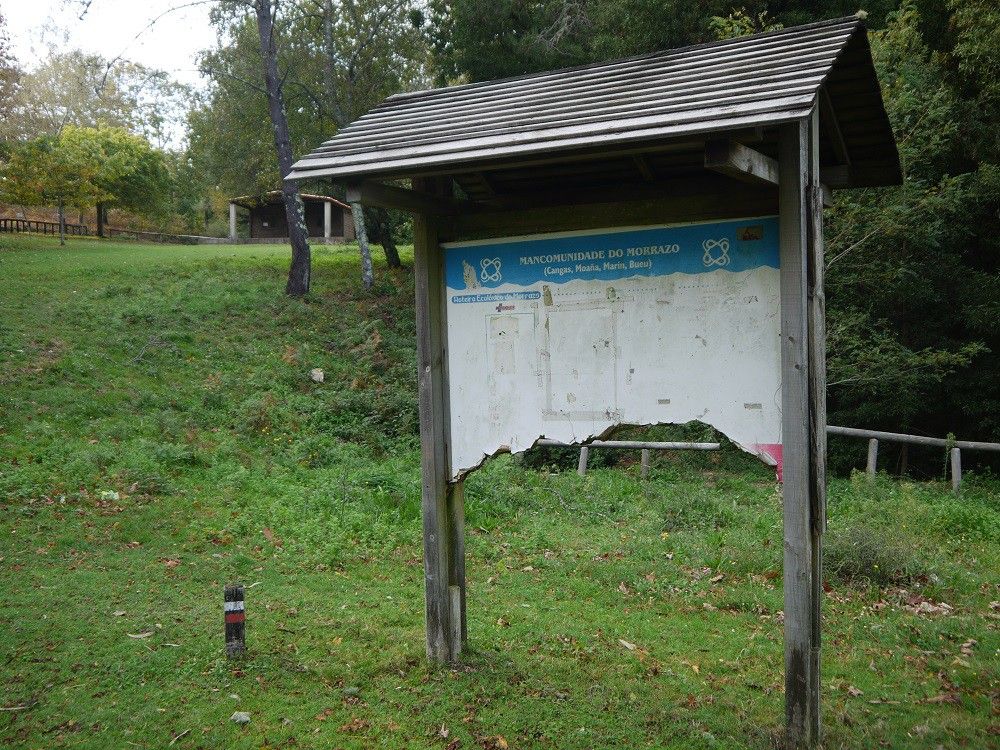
(913, 271)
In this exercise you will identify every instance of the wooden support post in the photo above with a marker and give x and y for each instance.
(456, 570)
(815, 267)
(581, 468)
(442, 503)
(803, 423)
(956, 470)
(872, 466)
(327, 219)
(232, 222)
(234, 615)
(645, 463)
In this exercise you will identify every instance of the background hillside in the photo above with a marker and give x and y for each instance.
(160, 436)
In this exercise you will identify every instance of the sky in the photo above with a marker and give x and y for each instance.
(112, 28)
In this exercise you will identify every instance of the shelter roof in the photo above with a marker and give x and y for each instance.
(733, 86)
(274, 196)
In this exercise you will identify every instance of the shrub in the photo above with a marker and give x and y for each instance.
(864, 555)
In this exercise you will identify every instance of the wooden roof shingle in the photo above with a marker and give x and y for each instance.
(749, 82)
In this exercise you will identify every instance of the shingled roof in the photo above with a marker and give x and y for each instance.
(733, 85)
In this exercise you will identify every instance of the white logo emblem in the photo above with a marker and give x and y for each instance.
(713, 258)
(491, 269)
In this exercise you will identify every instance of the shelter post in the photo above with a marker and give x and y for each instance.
(327, 219)
(442, 501)
(803, 423)
(232, 222)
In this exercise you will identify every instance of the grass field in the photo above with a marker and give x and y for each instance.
(160, 436)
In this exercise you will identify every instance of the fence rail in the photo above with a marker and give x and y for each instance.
(164, 237)
(874, 436)
(42, 227)
(644, 445)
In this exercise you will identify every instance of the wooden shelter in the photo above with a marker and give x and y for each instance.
(326, 218)
(762, 125)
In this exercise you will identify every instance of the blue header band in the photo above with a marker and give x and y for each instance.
(739, 245)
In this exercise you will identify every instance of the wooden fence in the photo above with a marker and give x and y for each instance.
(164, 237)
(41, 227)
(955, 447)
(644, 445)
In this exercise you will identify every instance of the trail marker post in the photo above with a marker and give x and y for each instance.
(234, 611)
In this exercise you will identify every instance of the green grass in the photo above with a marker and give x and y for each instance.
(604, 612)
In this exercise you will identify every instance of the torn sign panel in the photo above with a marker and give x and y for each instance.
(566, 335)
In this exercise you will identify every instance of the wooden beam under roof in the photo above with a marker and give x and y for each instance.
(371, 193)
(740, 162)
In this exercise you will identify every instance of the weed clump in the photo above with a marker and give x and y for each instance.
(700, 508)
(864, 555)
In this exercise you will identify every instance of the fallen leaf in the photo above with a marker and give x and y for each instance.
(853, 691)
(354, 725)
(626, 644)
(966, 648)
(716, 579)
(271, 537)
(140, 635)
(170, 562)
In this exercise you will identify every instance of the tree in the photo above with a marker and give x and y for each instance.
(479, 40)
(41, 172)
(266, 16)
(78, 88)
(914, 271)
(9, 72)
(483, 39)
(336, 61)
(86, 167)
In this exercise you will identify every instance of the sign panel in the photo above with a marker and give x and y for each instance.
(565, 336)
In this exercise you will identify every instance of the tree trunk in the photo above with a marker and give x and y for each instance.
(62, 223)
(382, 224)
(100, 219)
(299, 272)
(367, 274)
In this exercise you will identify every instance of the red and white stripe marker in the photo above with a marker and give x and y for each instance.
(235, 612)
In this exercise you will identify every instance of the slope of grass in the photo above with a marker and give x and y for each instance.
(160, 436)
